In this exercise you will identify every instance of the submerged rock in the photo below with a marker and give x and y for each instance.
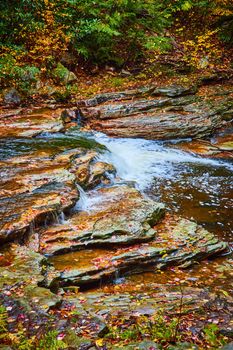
(119, 215)
(181, 243)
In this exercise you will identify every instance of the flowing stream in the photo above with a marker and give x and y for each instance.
(194, 187)
(197, 188)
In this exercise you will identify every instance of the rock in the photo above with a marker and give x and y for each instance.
(17, 280)
(175, 91)
(224, 142)
(218, 147)
(159, 125)
(38, 181)
(120, 110)
(125, 73)
(31, 124)
(175, 113)
(69, 115)
(181, 243)
(90, 173)
(144, 300)
(228, 346)
(99, 173)
(115, 96)
(63, 74)
(119, 215)
(12, 97)
(143, 345)
(76, 342)
(183, 346)
(228, 332)
(22, 212)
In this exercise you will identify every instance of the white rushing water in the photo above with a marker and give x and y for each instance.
(144, 161)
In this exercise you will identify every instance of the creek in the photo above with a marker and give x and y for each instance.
(192, 186)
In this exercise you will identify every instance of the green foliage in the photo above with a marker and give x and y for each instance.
(23, 76)
(50, 341)
(3, 321)
(212, 336)
(158, 328)
(60, 72)
(36, 34)
(20, 341)
(105, 30)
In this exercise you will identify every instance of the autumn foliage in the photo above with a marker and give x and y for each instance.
(38, 34)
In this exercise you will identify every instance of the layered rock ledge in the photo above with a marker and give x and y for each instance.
(180, 242)
(157, 113)
(38, 181)
(119, 215)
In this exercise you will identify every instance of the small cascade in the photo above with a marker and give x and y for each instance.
(82, 203)
(142, 161)
(61, 218)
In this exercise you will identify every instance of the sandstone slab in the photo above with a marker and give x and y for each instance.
(180, 243)
(119, 215)
(28, 124)
(163, 113)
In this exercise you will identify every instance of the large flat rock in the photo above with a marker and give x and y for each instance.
(119, 215)
(179, 242)
(160, 113)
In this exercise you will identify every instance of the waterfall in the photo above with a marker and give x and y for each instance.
(144, 161)
(82, 203)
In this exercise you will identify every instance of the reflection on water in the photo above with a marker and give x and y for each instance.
(194, 187)
(197, 188)
(202, 193)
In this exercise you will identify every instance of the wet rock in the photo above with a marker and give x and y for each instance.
(18, 281)
(224, 142)
(175, 113)
(99, 173)
(12, 97)
(39, 183)
(31, 124)
(119, 215)
(218, 147)
(159, 125)
(22, 212)
(181, 243)
(89, 172)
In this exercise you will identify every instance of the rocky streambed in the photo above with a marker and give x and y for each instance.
(95, 228)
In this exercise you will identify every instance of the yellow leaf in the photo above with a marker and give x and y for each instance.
(99, 342)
